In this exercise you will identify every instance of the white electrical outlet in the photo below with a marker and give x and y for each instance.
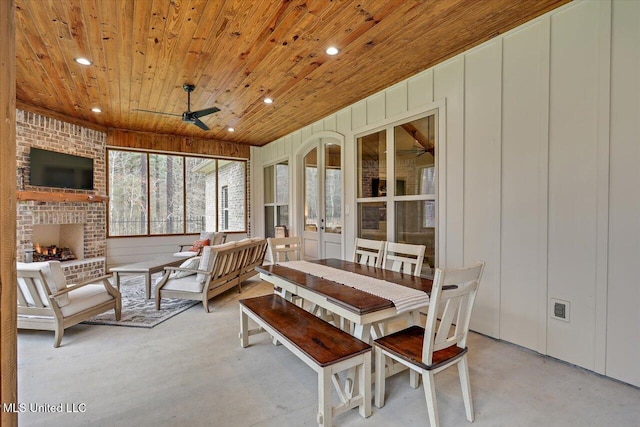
(560, 310)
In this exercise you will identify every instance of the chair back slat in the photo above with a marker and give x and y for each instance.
(33, 290)
(369, 252)
(22, 301)
(404, 258)
(456, 305)
(283, 249)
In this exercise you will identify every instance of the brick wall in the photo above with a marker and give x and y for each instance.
(232, 175)
(34, 130)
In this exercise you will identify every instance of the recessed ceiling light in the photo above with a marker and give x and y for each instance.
(83, 61)
(268, 101)
(96, 110)
(332, 50)
(231, 129)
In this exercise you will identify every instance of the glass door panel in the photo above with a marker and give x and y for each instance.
(322, 232)
(333, 189)
(311, 220)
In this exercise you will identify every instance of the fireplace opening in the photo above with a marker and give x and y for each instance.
(52, 253)
(60, 242)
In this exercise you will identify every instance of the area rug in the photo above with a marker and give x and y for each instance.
(138, 312)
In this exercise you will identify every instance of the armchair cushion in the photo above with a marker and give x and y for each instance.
(85, 297)
(209, 235)
(191, 263)
(53, 274)
(208, 258)
(206, 261)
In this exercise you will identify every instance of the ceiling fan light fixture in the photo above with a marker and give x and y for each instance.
(332, 50)
(83, 61)
(268, 101)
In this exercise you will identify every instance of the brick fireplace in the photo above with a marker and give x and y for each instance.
(80, 226)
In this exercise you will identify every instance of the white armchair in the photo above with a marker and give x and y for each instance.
(206, 238)
(47, 302)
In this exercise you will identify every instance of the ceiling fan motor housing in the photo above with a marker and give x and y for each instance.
(187, 116)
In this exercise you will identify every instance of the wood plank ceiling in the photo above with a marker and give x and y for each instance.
(236, 53)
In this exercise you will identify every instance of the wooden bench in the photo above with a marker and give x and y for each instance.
(323, 347)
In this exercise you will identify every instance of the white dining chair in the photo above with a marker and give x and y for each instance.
(369, 252)
(440, 344)
(404, 257)
(283, 249)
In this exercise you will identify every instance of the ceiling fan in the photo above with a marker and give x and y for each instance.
(189, 116)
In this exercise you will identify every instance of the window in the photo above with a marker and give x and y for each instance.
(224, 198)
(166, 194)
(160, 194)
(404, 182)
(127, 193)
(232, 174)
(276, 197)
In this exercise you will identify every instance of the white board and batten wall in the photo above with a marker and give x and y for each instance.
(539, 159)
(127, 250)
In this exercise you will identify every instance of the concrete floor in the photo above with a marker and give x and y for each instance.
(191, 371)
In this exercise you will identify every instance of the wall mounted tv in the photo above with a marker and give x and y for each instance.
(53, 169)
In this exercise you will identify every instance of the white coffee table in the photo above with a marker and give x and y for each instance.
(147, 268)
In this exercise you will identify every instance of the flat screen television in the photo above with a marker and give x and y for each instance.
(59, 170)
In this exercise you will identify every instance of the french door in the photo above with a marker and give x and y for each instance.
(322, 200)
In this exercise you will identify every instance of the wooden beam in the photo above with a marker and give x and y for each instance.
(176, 144)
(45, 196)
(428, 146)
(8, 280)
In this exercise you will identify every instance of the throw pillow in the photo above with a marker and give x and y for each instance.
(190, 263)
(198, 245)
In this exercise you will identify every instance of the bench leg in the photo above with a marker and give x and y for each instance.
(325, 411)
(364, 379)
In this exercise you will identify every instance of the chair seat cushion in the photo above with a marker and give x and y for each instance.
(85, 297)
(185, 254)
(185, 284)
(407, 345)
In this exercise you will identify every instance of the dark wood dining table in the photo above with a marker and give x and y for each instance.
(361, 308)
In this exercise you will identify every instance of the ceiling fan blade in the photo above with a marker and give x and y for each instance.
(200, 124)
(156, 112)
(205, 112)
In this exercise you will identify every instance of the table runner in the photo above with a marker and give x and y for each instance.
(404, 298)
